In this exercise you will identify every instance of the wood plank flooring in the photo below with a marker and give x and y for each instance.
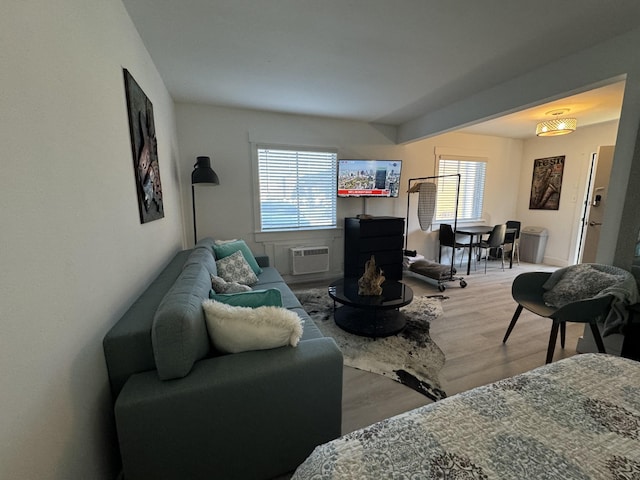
(470, 334)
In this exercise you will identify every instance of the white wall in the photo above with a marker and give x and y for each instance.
(73, 253)
(501, 189)
(227, 210)
(612, 60)
(562, 224)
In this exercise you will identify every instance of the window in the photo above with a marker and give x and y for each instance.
(297, 189)
(472, 176)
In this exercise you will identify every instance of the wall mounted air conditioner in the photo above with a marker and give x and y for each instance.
(309, 260)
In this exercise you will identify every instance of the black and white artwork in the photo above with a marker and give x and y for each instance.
(144, 150)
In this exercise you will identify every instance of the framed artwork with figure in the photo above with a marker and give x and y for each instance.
(546, 183)
(144, 148)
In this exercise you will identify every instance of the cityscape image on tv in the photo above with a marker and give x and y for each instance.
(372, 178)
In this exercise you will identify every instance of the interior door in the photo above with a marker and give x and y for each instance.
(597, 202)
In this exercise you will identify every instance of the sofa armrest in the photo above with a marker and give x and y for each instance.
(249, 415)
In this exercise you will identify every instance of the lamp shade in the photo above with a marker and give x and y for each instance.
(557, 126)
(203, 173)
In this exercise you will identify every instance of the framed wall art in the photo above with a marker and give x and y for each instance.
(144, 148)
(546, 183)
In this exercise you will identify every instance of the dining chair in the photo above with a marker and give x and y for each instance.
(496, 241)
(513, 238)
(447, 238)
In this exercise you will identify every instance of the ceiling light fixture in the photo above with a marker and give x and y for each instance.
(556, 126)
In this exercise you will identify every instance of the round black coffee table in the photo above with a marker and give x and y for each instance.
(370, 316)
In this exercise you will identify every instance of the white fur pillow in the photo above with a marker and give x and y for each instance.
(239, 329)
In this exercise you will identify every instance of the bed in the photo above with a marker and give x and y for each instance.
(578, 418)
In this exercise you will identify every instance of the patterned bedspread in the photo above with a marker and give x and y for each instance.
(577, 418)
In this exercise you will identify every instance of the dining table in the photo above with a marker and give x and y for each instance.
(477, 231)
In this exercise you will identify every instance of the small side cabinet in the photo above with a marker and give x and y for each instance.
(382, 237)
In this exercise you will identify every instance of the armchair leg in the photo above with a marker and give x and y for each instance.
(513, 323)
(597, 337)
(563, 333)
(552, 341)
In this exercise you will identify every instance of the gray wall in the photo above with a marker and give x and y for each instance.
(73, 254)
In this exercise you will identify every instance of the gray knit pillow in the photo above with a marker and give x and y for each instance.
(220, 285)
(235, 268)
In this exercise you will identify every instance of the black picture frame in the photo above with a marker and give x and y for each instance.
(144, 149)
(546, 183)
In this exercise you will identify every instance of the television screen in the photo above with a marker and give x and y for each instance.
(369, 178)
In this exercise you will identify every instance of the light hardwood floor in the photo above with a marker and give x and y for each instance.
(470, 334)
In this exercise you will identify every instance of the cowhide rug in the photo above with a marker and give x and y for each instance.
(410, 357)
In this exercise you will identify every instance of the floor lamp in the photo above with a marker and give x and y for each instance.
(202, 174)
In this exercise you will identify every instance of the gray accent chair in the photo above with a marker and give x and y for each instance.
(527, 289)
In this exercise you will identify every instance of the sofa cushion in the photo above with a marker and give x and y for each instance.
(238, 329)
(269, 275)
(310, 330)
(206, 243)
(235, 268)
(202, 256)
(289, 300)
(127, 346)
(179, 333)
(225, 249)
(253, 299)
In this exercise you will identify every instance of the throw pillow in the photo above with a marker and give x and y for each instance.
(253, 299)
(240, 329)
(578, 283)
(235, 268)
(222, 242)
(225, 249)
(220, 285)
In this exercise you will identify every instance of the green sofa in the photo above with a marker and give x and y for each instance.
(183, 411)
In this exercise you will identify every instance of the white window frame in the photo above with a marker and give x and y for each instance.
(284, 185)
(473, 174)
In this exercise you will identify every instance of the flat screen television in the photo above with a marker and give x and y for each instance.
(369, 178)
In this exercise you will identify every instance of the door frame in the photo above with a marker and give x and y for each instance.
(586, 207)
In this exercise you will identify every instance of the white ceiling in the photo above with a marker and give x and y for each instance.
(591, 107)
(374, 60)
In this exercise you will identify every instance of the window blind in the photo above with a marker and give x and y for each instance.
(297, 189)
(472, 179)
